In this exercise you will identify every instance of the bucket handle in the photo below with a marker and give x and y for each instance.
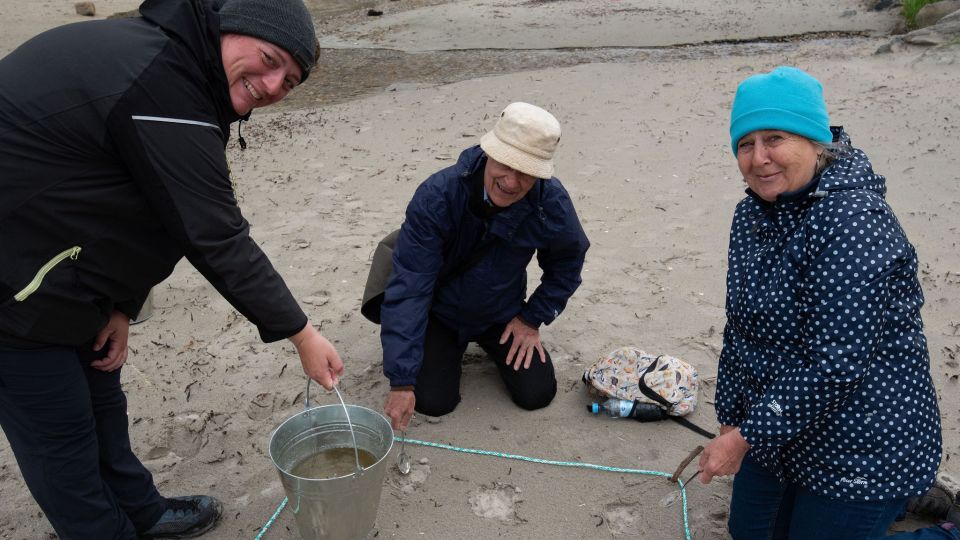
(356, 451)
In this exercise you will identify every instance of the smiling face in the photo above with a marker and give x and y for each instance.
(775, 162)
(258, 72)
(505, 185)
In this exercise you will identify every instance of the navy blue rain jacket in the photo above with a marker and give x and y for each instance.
(439, 234)
(824, 364)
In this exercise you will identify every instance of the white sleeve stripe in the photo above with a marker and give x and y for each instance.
(175, 121)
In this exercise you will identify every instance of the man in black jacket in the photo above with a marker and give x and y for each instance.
(112, 169)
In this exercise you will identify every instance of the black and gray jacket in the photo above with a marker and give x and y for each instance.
(112, 168)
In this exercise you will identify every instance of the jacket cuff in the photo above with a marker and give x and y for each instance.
(269, 336)
(525, 322)
(399, 378)
(527, 317)
(752, 435)
(402, 381)
(131, 308)
(128, 309)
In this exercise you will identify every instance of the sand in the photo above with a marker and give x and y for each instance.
(646, 158)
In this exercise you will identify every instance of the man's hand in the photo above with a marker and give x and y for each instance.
(526, 341)
(318, 356)
(399, 408)
(723, 455)
(114, 335)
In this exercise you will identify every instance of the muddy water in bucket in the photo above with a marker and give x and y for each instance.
(331, 463)
(331, 498)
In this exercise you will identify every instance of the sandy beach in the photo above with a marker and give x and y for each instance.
(645, 156)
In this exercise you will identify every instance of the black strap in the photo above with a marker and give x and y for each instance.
(469, 262)
(691, 426)
(478, 253)
(647, 391)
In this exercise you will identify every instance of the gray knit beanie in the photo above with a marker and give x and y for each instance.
(285, 23)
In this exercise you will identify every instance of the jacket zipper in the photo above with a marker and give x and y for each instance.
(32, 287)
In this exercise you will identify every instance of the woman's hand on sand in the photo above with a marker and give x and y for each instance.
(318, 356)
(526, 342)
(114, 335)
(722, 457)
(399, 407)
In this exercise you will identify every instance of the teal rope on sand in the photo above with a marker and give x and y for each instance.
(577, 464)
(276, 514)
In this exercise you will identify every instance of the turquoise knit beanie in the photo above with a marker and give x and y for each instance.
(786, 99)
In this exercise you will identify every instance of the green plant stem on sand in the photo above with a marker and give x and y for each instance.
(911, 8)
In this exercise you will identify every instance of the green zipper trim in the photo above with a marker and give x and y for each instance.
(38, 279)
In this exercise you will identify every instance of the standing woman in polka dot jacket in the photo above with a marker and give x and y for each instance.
(828, 414)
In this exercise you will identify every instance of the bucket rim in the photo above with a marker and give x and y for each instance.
(338, 406)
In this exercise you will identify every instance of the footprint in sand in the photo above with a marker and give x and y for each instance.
(497, 501)
(265, 404)
(181, 435)
(419, 472)
(623, 519)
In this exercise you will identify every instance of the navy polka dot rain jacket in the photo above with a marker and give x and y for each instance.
(824, 365)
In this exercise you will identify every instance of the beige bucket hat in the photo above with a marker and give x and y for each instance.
(524, 138)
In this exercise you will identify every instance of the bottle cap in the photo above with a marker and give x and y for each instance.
(594, 408)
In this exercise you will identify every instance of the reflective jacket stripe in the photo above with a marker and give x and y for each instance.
(175, 121)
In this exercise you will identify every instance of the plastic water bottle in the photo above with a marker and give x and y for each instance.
(624, 408)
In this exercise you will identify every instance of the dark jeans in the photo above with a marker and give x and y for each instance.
(67, 425)
(438, 383)
(764, 508)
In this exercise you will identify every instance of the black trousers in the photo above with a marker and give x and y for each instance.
(67, 425)
(438, 383)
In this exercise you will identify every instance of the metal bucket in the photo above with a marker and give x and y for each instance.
(342, 507)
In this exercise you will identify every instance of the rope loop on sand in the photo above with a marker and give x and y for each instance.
(576, 464)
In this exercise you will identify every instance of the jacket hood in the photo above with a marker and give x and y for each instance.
(196, 24)
(851, 170)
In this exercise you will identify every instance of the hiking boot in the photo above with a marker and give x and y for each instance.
(186, 517)
(936, 504)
